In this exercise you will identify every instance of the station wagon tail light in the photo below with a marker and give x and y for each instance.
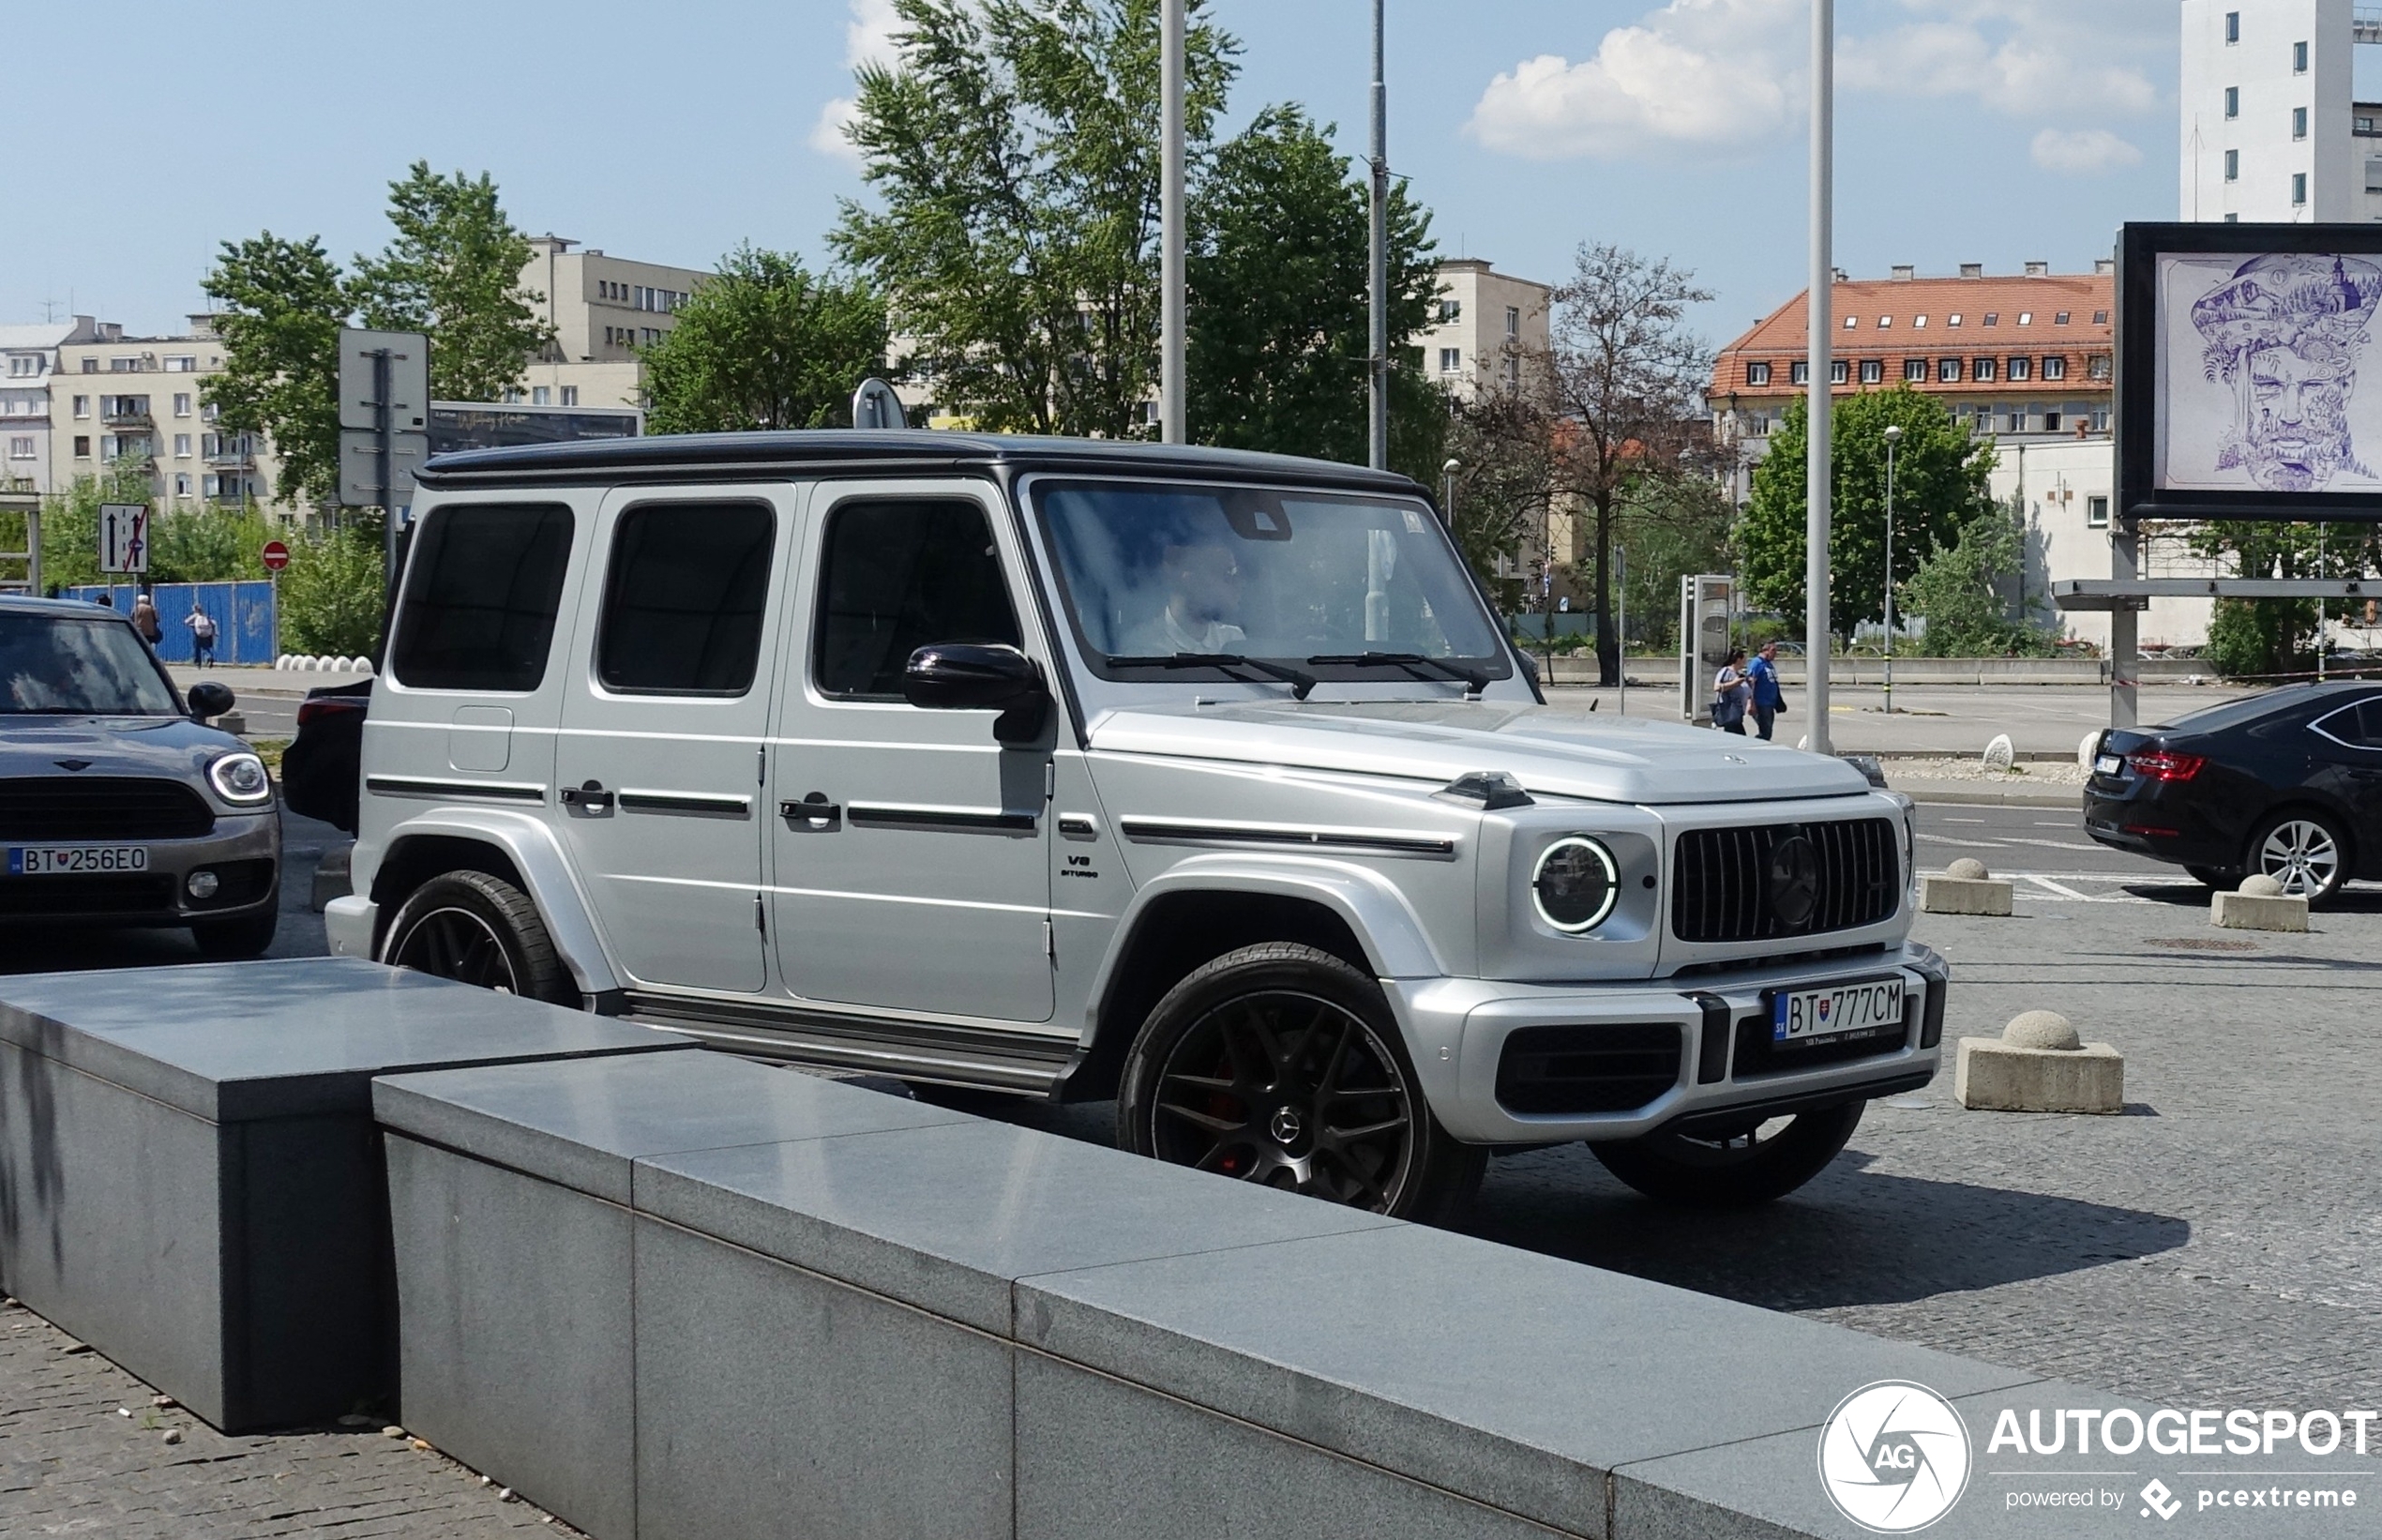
(2158, 764)
(241, 777)
(1576, 884)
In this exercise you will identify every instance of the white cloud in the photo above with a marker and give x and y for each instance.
(867, 39)
(2037, 70)
(2083, 152)
(1705, 72)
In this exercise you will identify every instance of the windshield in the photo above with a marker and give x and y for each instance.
(58, 665)
(1341, 586)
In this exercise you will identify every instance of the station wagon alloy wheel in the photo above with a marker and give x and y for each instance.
(2303, 854)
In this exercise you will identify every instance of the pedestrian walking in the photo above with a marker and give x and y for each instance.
(201, 627)
(1769, 698)
(144, 620)
(1731, 693)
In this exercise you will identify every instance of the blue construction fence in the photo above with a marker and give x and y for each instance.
(243, 613)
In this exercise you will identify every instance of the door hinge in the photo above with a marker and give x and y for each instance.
(760, 915)
(1050, 942)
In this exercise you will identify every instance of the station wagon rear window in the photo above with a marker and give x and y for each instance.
(481, 589)
(1341, 586)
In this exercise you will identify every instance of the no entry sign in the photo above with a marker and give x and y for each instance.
(277, 555)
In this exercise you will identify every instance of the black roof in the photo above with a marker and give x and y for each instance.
(847, 451)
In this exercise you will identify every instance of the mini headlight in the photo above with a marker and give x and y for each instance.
(241, 777)
(1576, 884)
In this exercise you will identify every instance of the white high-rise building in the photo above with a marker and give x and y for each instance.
(2271, 126)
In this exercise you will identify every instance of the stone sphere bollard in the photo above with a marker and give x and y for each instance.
(2085, 755)
(1968, 869)
(2259, 885)
(2042, 1030)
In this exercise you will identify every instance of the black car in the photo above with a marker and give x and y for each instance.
(319, 768)
(2288, 784)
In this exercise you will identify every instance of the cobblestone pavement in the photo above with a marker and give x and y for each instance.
(72, 1464)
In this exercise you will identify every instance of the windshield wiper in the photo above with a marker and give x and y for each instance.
(1473, 680)
(1300, 683)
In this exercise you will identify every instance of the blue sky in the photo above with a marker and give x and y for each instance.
(1968, 130)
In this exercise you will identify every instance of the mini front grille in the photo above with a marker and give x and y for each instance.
(1569, 1070)
(1759, 883)
(66, 898)
(64, 808)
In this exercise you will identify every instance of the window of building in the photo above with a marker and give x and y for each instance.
(1947, 370)
(2100, 419)
(2019, 369)
(21, 448)
(2233, 165)
(481, 589)
(124, 365)
(2233, 219)
(1513, 372)
(2097, 367)
(83, 406)
(1451, 360)
(1982, 368)
(2299, 123)
(1851, 321)
(181, 446)
(1451, 312)
(2096, 513)
(1914, 369)
(181, 363)
(2059, 318)
(181, 483)
(570, 395)
(2299, 58)
(2026, 318)
(897, 576)
(2101, 318)
(2233, 26)
(212, 486)
(1873, 370)
(2298, 188)
(1513, 321)
(90, 365)
(2233, 101)
(2051, 422)
(683, 598)
(2016, 421)
(1799, 372)
(24, 363)
(1993, 318)
(81, 446)
(1952, 319)
(1757, 425)
(1885, 320)
(541, 396)
(2055, 368)
(182, 403)
(1757, 375)
(1918, 321)
(1838, 373)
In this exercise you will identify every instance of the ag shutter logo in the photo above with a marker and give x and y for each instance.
(1893, 1457)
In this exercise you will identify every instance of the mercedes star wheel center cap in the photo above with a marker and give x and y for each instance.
(1288, 1125)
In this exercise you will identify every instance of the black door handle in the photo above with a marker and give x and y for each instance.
(814, 809)
(591, 796)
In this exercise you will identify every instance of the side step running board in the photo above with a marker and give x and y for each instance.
(940, 1056)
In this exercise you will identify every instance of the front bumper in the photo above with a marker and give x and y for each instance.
(350, 925)
(244, 851)
(1458, 1032)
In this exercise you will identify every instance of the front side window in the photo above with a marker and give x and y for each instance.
(901, 574)
(55, 667)
(683, 600)
(481, 589)
(1338, 584)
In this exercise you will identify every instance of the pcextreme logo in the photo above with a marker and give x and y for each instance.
(1893, 1457)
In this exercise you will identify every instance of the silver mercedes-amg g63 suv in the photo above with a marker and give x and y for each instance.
(1203, 781)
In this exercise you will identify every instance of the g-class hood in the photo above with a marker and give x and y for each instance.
(1549, 750)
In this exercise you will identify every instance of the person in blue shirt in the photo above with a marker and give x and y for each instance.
(1769, 699)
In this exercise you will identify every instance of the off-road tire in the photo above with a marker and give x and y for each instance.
(478, 929)
(1732, 1173)
(1247, 1063)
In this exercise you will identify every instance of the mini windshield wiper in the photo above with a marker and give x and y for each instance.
(1472, 680)
(1300, 683)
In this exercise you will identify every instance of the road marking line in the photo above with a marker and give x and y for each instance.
(2047, 844)
(2058, 890)
(1967, 844)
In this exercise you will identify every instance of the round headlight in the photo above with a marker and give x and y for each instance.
(1576, 884)
(241, 777)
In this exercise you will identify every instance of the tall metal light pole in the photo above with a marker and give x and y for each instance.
(1379, 401)
(1819, 316)
(1171, 280)
(1893, 437)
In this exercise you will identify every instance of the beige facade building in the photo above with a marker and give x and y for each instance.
(603, 308)
(1486, 326)
(28, 362)
(115, 397)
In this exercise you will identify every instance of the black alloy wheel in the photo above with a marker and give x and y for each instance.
(1734, 1169)
(478, 929)
(1280, 1064)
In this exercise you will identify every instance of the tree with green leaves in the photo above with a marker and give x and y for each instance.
(1940, 475)
(454, 270)
(1012, 149)
(1956, 589)
(279, 306)
(2249, 638)
(764, 344)
(1501, 489)
(70, 521)
(333, 594)
(1278, 294)
(1672, 524)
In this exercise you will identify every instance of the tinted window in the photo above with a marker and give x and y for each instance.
(54, 664)
(2359, 724)
(683, 598)
(480, 594)
(898, 575)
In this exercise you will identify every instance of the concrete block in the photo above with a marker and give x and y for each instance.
(525, 1382)
(1940, 894)
(772, 1401)
(1099, 1457)
(2258, 911)
(190, 1179)
(2002, 1076)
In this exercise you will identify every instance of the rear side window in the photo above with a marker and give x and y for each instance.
(481, 589)
(2359, 724)
(897, 576)
(683, 598)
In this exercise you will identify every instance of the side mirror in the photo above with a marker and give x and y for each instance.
(209, 699)
(967, 676)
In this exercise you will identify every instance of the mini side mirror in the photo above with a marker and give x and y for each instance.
(209, 699)
(970, 676)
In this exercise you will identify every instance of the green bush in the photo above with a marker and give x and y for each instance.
(2247, 637)
(333, 595)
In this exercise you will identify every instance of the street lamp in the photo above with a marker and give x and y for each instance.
(1447, 502)
(1893, 437)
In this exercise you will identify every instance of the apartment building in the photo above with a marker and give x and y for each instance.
(1486, 328)
(2272, 130)
(28, 360)
(115, 397)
